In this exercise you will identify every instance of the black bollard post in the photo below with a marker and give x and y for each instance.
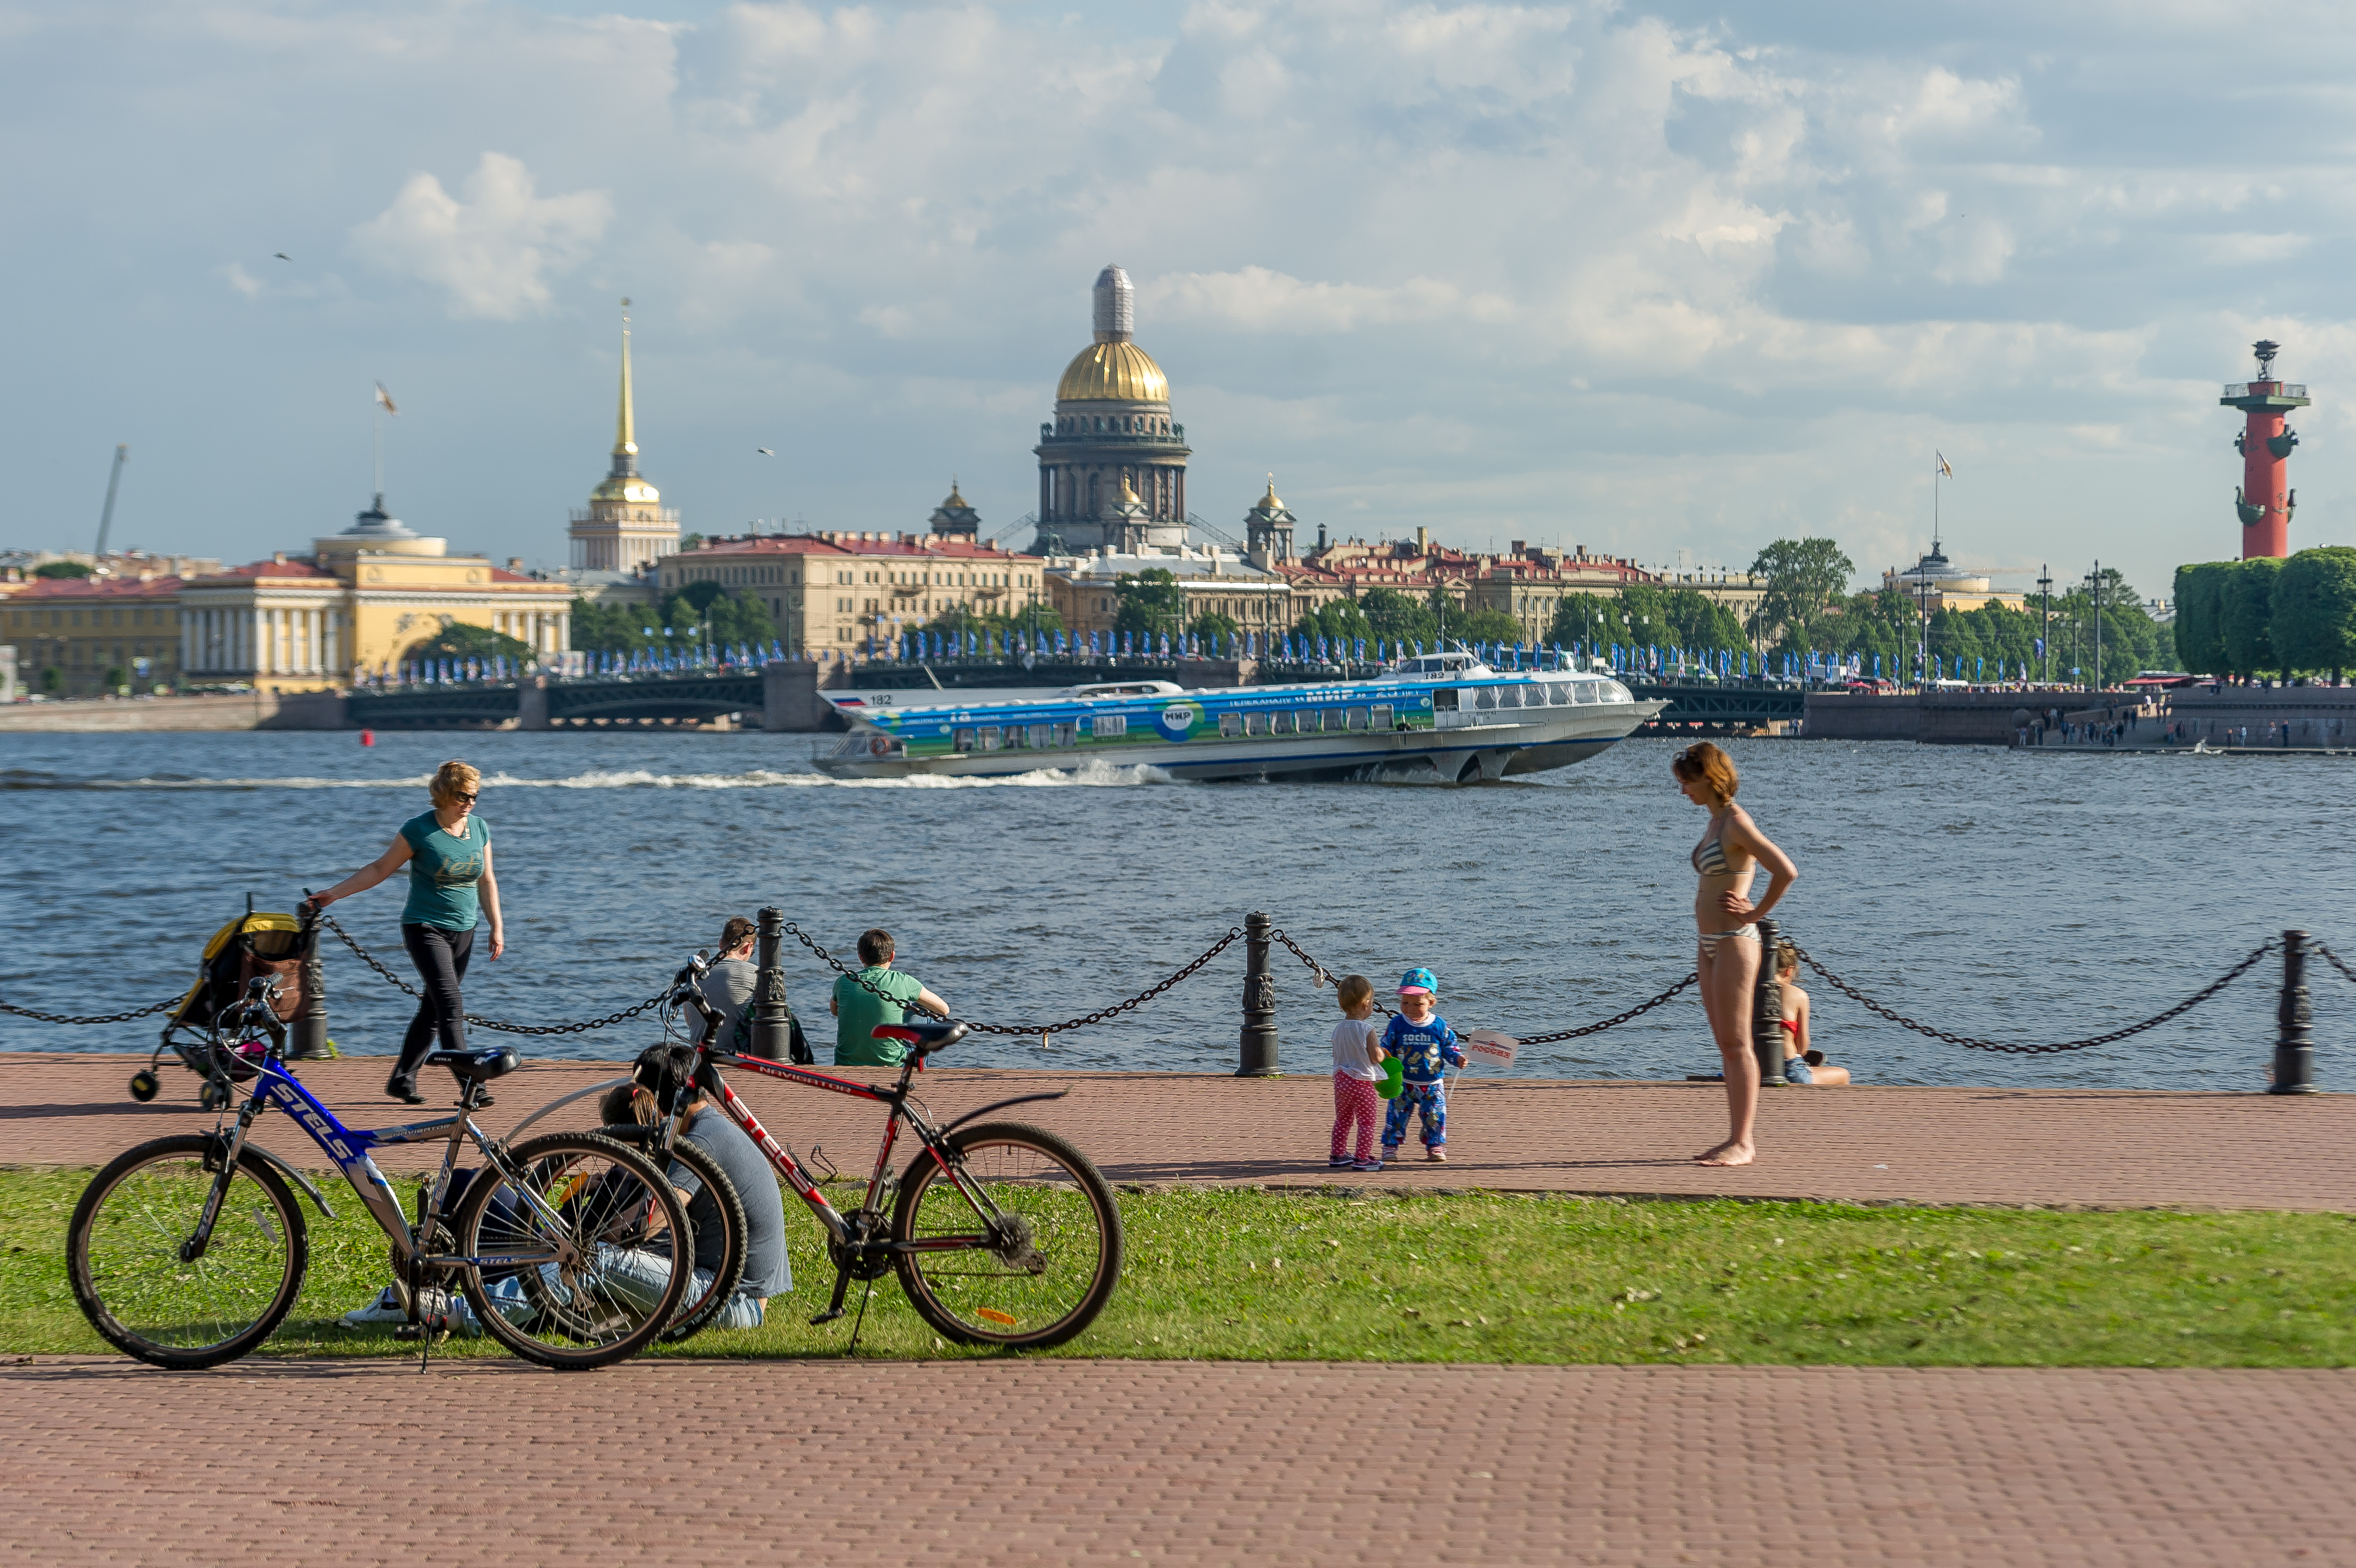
(307, 1041)
(1259, 1001)
(2294, 1050)
(1767, 1011)
(772, 1025)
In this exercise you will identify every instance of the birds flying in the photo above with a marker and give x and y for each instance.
(765, 452)
(284, 256)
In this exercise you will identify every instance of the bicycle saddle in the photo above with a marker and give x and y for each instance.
(928, 1037)
(478, 1066)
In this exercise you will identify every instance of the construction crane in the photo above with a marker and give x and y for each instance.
(114, 479)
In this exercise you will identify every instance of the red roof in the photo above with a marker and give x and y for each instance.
(96, 588)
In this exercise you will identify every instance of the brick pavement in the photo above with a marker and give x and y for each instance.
(1061, 1462)
(2102, 1148)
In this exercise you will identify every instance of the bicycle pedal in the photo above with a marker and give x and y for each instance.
(409, 1331)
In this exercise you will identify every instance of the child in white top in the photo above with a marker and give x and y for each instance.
(1356, 1055)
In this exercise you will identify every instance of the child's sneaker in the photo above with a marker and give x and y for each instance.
(1338, 1163)
(1367, 1165)
(1435, 1155)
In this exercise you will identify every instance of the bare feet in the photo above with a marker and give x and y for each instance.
(1728, 1154)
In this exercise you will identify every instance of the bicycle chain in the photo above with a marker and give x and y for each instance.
(165, 1007)
(494, 1025)
(1101, 1016)
(2206, 992)
(1325, 977)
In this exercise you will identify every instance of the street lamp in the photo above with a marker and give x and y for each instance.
(2045, 626)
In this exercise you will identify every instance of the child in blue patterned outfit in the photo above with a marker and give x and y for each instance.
(1427, 1047)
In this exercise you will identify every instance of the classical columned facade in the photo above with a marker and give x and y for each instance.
(1112, 463)
(627, 528)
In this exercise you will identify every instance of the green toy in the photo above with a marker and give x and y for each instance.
(1394, 1081)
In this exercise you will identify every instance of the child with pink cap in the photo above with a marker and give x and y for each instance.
(1427, 1048)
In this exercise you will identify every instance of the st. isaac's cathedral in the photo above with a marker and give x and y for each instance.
(1112, 466)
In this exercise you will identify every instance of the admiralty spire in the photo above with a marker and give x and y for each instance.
(1112, 466)
(626, 526)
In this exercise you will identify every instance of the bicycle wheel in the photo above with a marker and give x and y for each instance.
(717, 1214)
(577, 1255)
(124, 1255)
(1035, 1274)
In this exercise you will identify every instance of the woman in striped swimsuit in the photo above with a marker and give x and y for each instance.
(1727, 859)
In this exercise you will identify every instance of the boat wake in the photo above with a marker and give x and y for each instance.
(1095, 774)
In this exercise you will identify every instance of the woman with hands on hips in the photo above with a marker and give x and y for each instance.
(1726, 859)
(451, 892)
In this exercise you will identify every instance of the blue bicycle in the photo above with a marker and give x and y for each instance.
(572, 1249)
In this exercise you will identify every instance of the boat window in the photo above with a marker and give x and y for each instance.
(1613, 692)
(1336, 718)
(1067, 733)
(1230, 725)
(1509, 696)
(1255, 724)
(1042, 737)
(990, 738)
(1484, 696)
(962, 740)
(1357, 718)
(1280, 724)
(1014, 741)
(1444, 699)
(1591, 691)
(1111, 726)
(1383, 716)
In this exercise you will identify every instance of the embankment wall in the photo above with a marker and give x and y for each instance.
(247, 711)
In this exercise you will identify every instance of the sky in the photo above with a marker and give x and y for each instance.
(1668, 281)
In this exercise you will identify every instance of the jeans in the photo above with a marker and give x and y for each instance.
(640, 1277)
(1797, 1070)
(441, 960)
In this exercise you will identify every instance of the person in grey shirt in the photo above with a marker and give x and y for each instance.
(729, 984)
(768, 1269)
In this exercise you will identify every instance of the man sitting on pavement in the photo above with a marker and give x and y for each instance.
(860, 1008)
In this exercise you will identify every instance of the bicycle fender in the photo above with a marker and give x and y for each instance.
(1000, 1105)
(291, 1174)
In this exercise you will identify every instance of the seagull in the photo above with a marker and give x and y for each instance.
(765, 452)
(284, 256)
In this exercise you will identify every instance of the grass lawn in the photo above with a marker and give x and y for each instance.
(1227, 1274)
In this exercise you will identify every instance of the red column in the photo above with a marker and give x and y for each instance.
(2266, 482)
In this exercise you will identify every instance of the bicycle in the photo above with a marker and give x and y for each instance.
(186, 1252)
(1001, 1233)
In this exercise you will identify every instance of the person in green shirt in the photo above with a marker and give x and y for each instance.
(859, 1009)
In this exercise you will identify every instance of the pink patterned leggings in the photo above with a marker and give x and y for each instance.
(1356, 1105)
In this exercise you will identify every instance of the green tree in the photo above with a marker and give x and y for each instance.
(2247, 600)
(1210, 624)
(1150, 602)
(2201, 618)
(1584, 617)
(1399, 617)
(1696, 622)
(2315, 610)
(460, 640)
(1804, 576)
(1487, 625)
(1339, 621)
(62, 569)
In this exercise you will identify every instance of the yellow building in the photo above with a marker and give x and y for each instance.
(841, 592)
(354, 608)
(79, 636)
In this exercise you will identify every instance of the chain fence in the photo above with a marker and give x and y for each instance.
(1321, 976)
(1968, 1043)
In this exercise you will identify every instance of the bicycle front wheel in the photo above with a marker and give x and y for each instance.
(717, 1212)
(577, 1253)
(128, 1255)
(1021, 1249)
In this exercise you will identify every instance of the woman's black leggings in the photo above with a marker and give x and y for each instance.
(441, 960)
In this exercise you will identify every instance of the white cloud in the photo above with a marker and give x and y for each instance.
(492, 252)
(1258, 300)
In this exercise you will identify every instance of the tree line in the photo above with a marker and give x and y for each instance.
(2248, 618)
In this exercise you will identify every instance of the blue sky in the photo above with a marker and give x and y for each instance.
(1650, 279)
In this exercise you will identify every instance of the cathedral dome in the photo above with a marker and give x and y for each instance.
(1113, 372)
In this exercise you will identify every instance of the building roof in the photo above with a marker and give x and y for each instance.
(277, 571)
(1234, 570)
(1405, 563)
(48, 590)
(845, 543)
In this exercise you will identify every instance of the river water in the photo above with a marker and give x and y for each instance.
(2022, 896)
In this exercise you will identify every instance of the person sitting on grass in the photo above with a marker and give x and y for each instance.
(767, 1270)
(872, 996)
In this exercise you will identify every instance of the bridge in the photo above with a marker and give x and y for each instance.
(1717, 708)
(667, 701)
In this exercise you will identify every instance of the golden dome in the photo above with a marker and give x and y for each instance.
(1113, 372)
(1269, 502)
(628, 488)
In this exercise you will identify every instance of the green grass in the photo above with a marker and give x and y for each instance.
(1224, 1274)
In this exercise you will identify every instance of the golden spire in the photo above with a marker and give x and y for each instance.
(625, 441)
(1269, 501)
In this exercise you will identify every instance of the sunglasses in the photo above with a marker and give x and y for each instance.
(464, 800)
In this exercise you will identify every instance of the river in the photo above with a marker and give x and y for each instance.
(2023, 896)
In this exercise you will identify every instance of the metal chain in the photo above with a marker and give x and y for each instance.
(1325, 977)
(2197, 997)
(163, 1006)
(496, 1024)
(2332, 958)
(1101, 1016)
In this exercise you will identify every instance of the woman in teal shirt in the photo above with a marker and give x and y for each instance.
(451, 890)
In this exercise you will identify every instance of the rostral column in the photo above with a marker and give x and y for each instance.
(2265, 499)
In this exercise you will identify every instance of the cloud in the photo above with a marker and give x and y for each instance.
(1258, 300)
(492, 252)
